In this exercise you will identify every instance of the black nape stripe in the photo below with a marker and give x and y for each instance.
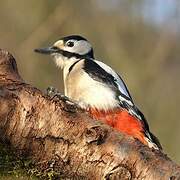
(68, 54)
(90, 54)
(71, 67)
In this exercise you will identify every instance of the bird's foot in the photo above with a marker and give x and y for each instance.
(56, 95)
(51, 91)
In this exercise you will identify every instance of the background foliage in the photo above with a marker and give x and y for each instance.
(140, 39)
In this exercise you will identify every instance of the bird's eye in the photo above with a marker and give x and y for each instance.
(70, 44)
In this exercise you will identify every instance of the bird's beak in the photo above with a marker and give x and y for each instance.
(47, 50)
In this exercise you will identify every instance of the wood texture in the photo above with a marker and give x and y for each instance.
(58, 135)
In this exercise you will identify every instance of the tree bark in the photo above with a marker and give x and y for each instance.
(59, 135)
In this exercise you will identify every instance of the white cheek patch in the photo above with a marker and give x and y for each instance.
(80, 47)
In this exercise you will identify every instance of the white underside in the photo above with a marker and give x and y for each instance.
(92, 93)
(80, 87)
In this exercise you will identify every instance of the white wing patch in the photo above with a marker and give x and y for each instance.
(119, 82)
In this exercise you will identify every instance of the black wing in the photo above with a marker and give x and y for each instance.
(98, 73)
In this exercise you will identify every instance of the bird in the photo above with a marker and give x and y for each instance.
(98, 89)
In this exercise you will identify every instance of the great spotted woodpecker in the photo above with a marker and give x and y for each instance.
(98, 89)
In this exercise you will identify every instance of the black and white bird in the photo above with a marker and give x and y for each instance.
(98, 89)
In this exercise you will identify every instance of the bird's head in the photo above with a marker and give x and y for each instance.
(68, 48)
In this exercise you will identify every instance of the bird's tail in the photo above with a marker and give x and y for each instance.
(154, 142)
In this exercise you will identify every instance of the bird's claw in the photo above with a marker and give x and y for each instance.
(51, 91)
(56, 95)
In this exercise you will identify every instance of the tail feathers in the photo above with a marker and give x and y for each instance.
(155, 140)
(151, 144)
(152, 141)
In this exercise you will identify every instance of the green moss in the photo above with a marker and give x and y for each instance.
(12, 167)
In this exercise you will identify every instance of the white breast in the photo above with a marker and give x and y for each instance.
(82, 88)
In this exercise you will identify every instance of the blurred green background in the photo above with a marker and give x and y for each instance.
(140, 39)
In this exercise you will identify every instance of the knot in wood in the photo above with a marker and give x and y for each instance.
(96, 134)
(118, 173)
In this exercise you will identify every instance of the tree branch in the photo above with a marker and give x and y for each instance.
(58, 135)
